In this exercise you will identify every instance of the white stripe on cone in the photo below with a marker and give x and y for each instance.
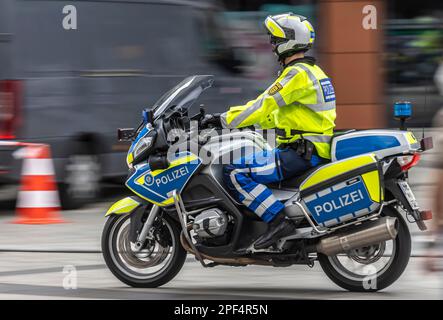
(19, 153)
(27, 152)
(38, 167)
(38, 199)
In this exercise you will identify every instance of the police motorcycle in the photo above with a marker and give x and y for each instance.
(353, 210)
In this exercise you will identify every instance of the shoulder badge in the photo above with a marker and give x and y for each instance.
(275, 88)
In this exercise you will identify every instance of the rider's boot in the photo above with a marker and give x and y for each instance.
(278, 228)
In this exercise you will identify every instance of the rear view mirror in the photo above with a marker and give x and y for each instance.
(148, 116)
(125, 134)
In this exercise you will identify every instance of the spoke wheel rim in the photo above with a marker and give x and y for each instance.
(150, 262)
(356, 266)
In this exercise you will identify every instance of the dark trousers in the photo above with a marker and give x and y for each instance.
(248, 176)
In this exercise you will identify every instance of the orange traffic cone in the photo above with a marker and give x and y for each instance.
(38, 200)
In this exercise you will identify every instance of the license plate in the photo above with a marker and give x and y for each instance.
(407, 192)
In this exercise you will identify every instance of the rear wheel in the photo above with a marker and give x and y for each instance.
(157, 263)
(371, 268)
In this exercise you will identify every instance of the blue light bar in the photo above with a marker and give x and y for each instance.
(402, 110)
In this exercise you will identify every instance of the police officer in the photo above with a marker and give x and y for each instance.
(300, 106)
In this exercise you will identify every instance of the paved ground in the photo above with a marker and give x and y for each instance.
(41, 276)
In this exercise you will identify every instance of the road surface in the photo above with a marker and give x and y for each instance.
(52, 276)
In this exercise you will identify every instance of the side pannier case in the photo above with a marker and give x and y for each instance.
(343, 190)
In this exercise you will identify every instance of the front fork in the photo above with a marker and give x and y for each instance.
(141, 238)
(130, 205)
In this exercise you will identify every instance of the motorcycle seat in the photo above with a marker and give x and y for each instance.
(342, 133)
(293, 182)
(297, 180)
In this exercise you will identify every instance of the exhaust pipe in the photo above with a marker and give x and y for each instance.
(370, 233)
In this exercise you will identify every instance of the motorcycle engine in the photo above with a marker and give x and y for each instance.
(210, 223)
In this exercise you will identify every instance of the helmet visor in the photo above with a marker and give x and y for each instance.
(275, 41)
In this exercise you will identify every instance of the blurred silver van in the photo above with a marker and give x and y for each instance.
(70, 76)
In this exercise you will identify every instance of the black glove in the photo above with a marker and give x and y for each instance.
(211, 121)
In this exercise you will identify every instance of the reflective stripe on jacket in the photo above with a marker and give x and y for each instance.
(301, 99)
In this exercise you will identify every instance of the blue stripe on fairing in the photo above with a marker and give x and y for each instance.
(359, 145)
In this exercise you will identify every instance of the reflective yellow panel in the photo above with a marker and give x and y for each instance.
(336, 168)
(411, 138)
(175, 163)
(123, 206)
(372, 182)
(274, 28)
(129, 158)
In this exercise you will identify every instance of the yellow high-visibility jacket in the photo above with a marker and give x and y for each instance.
(300, 102)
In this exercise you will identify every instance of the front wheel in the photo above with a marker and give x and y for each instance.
(371, 268)
(159, 261)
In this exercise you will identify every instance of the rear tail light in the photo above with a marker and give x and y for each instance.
(407, 162)
(10, 105)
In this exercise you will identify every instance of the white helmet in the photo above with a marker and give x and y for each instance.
(289, 33)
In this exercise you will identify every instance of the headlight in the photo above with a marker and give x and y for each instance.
(143, 145)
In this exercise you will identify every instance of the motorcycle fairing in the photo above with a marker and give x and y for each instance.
(123, 206)
(157, 186)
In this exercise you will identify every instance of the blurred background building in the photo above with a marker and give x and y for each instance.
(73, 88)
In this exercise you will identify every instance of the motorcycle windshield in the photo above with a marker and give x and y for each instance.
(183, 94)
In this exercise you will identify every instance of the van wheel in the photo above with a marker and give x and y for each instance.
(81, 182)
